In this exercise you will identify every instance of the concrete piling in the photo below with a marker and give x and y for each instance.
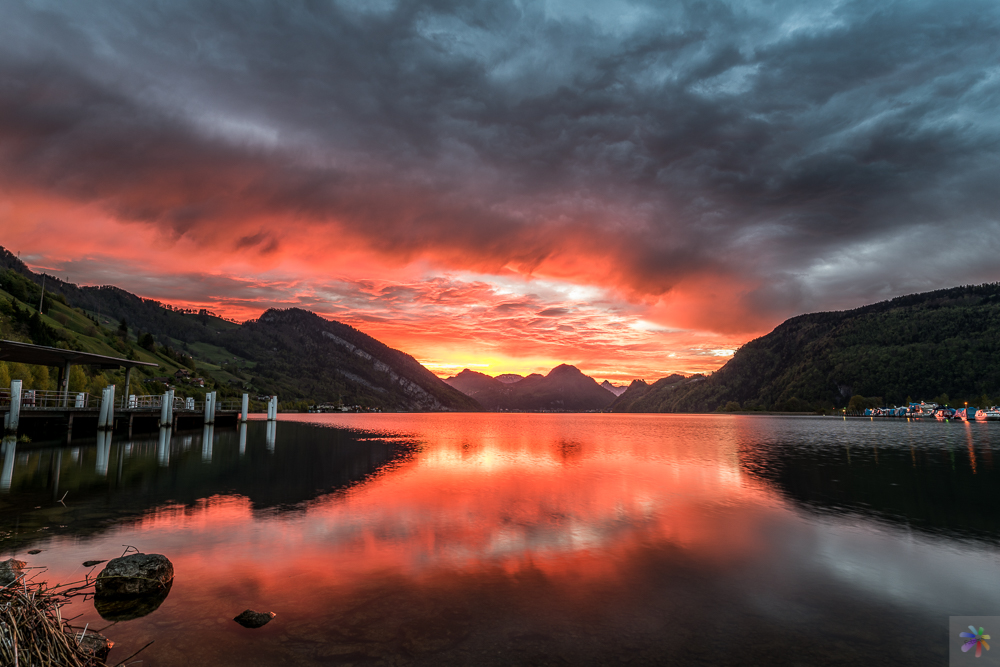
(165, 417)
(210, 399)
(106, 417)
(245, 408)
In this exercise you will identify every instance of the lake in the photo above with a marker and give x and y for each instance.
(530, 539)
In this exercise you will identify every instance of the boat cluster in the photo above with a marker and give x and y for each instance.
(923, 410)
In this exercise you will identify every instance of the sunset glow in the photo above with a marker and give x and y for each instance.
(636, 190)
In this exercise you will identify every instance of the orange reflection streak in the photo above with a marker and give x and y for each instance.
(972, 450)
(568, 509)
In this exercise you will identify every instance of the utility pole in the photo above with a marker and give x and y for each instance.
(41, 299)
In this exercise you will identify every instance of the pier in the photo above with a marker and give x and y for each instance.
(49, 415)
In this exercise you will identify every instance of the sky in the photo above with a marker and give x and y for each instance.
(636, 188)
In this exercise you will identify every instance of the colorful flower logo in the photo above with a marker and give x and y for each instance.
(977, 639)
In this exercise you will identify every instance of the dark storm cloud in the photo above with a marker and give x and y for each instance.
(774, 144)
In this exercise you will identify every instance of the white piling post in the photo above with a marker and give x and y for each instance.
(163, 409)
(170, 407)
(14, 416)
(106, 420)
(211, 411)
(102, 419)
(208, 405)
(245, 408)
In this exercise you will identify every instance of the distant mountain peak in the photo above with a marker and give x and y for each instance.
(614, 389)
(564, 370)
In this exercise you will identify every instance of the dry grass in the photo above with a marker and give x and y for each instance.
(33, 632)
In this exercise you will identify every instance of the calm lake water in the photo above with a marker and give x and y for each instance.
(531, 539)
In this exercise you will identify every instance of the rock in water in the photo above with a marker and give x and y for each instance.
(134, 575)
(254, 619)
(92, 563)
(10, 570)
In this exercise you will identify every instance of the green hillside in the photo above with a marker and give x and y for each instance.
(943, 344)
(294, 354)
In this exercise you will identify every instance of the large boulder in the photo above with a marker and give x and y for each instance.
(11, 570)
(135, 575)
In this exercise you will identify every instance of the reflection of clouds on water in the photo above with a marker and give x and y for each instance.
(909, 569)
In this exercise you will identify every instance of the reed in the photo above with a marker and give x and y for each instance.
(33, 632)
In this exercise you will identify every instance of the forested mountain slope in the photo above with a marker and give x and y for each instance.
(922, 346)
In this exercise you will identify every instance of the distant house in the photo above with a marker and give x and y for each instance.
(198, 382)
(182, 373)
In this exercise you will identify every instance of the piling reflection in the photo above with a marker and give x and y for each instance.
(272, 434)
(243, 439)
(207, 441)
(163, 447)
(9, 448)
(103, 452)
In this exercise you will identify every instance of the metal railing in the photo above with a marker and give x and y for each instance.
(45, 398)
(155, 401)
(48, 399)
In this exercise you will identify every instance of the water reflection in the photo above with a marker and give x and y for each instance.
(531, 539)
(920, 475)
(163, 447)
(9, 448)
(103, 452)
(207, 437)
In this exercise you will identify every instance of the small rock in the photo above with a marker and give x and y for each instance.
(35, 551)
(10, 571)
(254, 619)
(96, 645)
(134, 575)
(92, 563)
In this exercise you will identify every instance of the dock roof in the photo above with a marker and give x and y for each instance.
(40, 355)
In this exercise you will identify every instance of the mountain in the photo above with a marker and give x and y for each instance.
(509, 378)
(293, 353)
(563, 389)
(941, 345)
(642, 397)
(617, 391)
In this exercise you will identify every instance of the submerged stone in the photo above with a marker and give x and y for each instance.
(96, 645)
(11, 570)
(92, 563)
(254, 619)
(135, 575)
